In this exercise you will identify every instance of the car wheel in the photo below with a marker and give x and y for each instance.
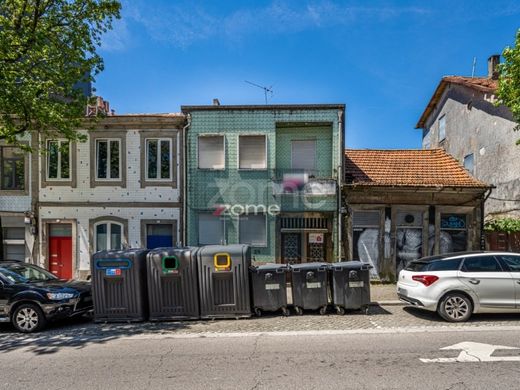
(455, 307)
(28, 318)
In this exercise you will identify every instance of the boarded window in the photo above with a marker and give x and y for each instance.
(211, 152)
(211, 229)
(303, 155)
(252, 152)
(253, 230)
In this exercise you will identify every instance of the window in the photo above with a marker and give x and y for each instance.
(108, 157)
(453, 234)
(252, 230)
(158, 159)
(366, 226)
(442, 128)
(159, 235)
(14, 243)
(12, 168)
(211, 152)
(469, 163)
(445, 265)
(409, 240)
(58, 160)
(108, 236)
(252, 152)
(513, 262)
(211, 229)
(303, 155)
(481, 264)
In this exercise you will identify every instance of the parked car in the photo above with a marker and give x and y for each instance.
(456, 285)
(31, 296)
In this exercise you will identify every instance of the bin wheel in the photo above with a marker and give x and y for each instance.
(323, 310)
(286, 312)
(340, 310)
(258, 312)
(298, 310)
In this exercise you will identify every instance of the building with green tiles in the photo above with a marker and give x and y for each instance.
(267, 176)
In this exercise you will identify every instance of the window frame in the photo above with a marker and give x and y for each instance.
(264, 168)
(96, 135)
(109, 157)
(463, 264)
(223, 150)
(167, 134)
(466, 157)
(443, 120)
(159, 141)
(26, 162)
(109, 219)
(59, 162)
(262, 245)
(146, 222)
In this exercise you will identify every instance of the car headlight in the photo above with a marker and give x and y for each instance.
(59, 296)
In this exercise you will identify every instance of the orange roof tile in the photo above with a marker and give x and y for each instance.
(406, 168)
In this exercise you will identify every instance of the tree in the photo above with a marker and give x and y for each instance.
(46, 48)
(509, 81)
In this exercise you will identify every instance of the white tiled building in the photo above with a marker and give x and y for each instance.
(120, 188)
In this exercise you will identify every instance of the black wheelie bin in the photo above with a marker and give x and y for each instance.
(269, 288)
(309, 287)
(224, 287)
(350, 284)
(119, 285)
(173, 292)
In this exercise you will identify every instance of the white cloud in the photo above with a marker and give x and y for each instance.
(118, 38)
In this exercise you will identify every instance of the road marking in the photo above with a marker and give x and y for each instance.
(471, 352)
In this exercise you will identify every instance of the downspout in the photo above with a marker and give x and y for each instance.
(482, 223)
(338, 185)
(185, 179)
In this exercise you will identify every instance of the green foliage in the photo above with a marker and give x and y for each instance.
(507, 225)
(509, 81)
(46, 48)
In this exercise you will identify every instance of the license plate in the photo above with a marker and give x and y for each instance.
(402, 291)
(272, 286)
(356, 284)
(313, 284)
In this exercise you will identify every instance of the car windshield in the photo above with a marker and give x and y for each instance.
(25, 273)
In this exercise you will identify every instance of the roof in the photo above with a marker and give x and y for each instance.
(482, 84)
(264, 107)
(406, 168)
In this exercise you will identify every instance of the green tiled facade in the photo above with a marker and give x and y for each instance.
(281, 125)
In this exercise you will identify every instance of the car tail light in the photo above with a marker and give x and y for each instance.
(427, 280)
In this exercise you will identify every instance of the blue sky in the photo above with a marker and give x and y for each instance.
(383, 59)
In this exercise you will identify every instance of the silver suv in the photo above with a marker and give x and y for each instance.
(457, 285)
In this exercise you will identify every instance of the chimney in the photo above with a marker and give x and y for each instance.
(216, 102)
(493, 62)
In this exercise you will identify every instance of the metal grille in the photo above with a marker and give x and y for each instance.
(316, 252)
(366, 218)
(305, 223)
(291, 247)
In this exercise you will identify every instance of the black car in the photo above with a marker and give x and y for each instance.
(30, 296)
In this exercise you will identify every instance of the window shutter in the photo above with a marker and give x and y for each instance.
(253, 230)
(303, 155)
(210, 229)
(366, 218)
(252, 152)
(211, 152)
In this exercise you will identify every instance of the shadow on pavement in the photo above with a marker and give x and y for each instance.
(78, 333)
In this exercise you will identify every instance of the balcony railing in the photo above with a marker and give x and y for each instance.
(303, 182)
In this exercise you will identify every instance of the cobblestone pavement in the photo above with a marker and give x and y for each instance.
(77, 332)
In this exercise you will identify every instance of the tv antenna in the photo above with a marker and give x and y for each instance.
(473, 68)
(267, 90)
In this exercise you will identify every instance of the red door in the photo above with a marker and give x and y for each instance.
(60, 250)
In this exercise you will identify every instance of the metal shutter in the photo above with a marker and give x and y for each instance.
(211, 152)
(252, 152)
(211, 230)
(253, 230)
(303, 155)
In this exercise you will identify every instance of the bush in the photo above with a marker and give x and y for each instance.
(507, 225)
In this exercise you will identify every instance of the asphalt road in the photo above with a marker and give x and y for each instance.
(364, 360)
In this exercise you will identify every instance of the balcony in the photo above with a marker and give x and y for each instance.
(303, 182)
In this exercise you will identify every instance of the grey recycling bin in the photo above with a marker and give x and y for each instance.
(269, 288)
(309, 287)
(224, 281)
(173, 284)
(350, 283)
(119, 285)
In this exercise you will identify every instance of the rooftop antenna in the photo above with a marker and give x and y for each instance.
(267, 90)
(473, 69)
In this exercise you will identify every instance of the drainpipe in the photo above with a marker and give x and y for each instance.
(482, 234)
(338, 185)
(185, 179)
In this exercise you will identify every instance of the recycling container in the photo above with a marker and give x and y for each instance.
(350, 283)
(310, 287)
(173, 292)
(224, 281)
(269, 288)
(119, 285)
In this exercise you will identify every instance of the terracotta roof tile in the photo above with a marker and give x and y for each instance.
(406, 168)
